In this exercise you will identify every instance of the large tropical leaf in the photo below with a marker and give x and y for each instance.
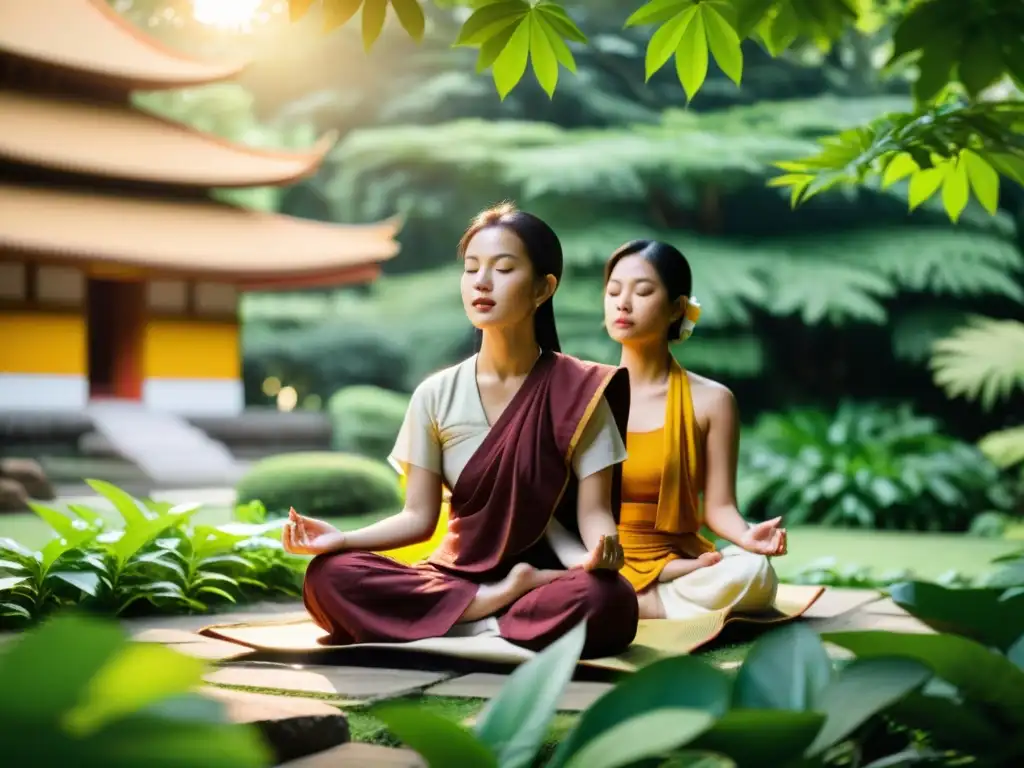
(983, 360)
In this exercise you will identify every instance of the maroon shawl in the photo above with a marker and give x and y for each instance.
(521, 475)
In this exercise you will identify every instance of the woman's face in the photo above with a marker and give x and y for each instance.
(499, 285)
(637, 308)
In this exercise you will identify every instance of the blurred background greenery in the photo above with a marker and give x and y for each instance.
(822, 320)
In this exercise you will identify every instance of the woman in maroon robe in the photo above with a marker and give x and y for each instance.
(530, 443)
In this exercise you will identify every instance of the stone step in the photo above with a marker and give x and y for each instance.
(360, 756)
(353, 683)
(293, 727)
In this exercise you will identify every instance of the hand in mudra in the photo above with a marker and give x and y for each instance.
(606, 556)
(303, 535)
(765, 538)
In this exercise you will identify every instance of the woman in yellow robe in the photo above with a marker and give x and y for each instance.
(682, 444)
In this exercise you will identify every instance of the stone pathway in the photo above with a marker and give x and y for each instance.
(299, 708)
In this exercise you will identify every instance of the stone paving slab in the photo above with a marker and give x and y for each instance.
(836, 601)
(360, 756)
(578, 696)
(285, 611)
(189, 643)
(345, 682)
(293, 727)
(885, 607)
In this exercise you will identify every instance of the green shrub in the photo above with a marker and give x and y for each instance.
(321, 485)
(366, 419)
(866, 466)
(156, 560)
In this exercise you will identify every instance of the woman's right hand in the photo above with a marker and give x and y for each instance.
(303, 535)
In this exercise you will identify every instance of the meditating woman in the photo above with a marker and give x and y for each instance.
(682, 439)
(530, 443)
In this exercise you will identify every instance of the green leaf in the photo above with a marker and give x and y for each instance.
(657, 12)
(410, 16)
(862, 690)
(140, 675)
(692, 56)
(438, 740)
(900, 166)
(560, 21)
(510, 65)
(754, 738)
(542, 54)
(561, 50)
(62, 525)
(924, 184)
(982, 675)
(1016, 652)
(489, 20)
(127, 507)
(750, 14)
(984, 180)
(981, 62)
(723, 42)
(515, 723)
(935, 70)
(9, 582)
(786, 669)
(924, 25)
(84, 581)
(13, 609)
(779, 32)
(665, 41)
(651, 734)
(55, 661)
(337, 13)
(955, 190)
(374, 13)
(680, 682)
(977, 614)
(164, 742)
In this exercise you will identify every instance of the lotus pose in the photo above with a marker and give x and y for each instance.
(683, 440)
(530, 443)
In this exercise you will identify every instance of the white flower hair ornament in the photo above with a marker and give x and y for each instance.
(690, 318)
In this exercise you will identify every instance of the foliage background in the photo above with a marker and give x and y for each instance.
(839, 300)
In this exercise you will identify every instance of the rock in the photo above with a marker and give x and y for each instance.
(12, 496)
(294, 727)
(360, 756)
(31, 476)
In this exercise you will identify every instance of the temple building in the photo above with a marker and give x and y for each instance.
(119, 275)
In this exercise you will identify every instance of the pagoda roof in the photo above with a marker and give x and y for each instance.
(115, 141)
(88, 37)
(190, 238)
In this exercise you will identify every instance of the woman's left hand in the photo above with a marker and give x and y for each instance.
(606, 556)
(765, 538)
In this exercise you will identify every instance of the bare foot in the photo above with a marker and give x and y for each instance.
(491, 598)
(524, 577)
(709, 558)
(650, 604)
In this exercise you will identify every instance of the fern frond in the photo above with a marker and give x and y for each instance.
(914, 333)
(818, 289)
(1005, 448)
(983, 360)
(944, 261)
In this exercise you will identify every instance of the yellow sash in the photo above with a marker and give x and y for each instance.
(678, 503)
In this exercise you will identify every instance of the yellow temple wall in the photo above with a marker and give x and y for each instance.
(192, 349)
(188, 345)
(42, 343)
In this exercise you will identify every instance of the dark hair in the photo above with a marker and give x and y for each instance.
(668, 261)
(543, 249)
